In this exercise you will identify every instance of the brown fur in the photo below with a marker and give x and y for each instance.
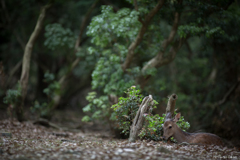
(181, 136)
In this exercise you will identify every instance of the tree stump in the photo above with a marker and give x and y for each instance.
(139, 118)
(171, 106)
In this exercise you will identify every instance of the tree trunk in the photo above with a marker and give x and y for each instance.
(26, 62)
(139, 118)
(141, 33)
(62, 82)
(171, 106)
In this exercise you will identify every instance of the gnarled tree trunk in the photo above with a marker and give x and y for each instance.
(26, 62)
(63, 80)
(139, 118)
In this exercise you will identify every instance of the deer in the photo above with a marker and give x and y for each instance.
(171, 129)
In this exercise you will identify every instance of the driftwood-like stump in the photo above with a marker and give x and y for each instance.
(171, 106)
(139, 118)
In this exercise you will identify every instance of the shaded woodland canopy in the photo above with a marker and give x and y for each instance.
(186, 47)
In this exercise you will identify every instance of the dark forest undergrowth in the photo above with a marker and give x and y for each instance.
(76, 140)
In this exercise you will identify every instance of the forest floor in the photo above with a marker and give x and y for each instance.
(26, 140)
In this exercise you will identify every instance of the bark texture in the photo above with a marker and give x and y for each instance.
(165, 55)
(139, 118)
(159, 60)
(171, 106)
(141, 33)
(26, 61)
(62, 81)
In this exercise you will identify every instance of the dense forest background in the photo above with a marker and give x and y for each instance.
(54, 54)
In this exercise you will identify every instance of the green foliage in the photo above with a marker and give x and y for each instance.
(125, 111)
(184, 125)
(212, 46)
(49, 77)
(52, 90)
(109, 27)
(54, 86)
(98, 108)
(153, 126)
(126, 108)
(57, 36)
(109, 76)
(13, 95)
(111, 34)
(42, 108)
(194, 30)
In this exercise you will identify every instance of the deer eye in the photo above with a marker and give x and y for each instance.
(170, 127)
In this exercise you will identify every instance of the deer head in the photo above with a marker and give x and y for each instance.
(170, 126)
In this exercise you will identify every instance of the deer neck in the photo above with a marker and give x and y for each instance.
(181, 136)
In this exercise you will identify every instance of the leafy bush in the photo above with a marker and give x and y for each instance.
(111, 33)
(126, 109)
(52, 89)
(99, 108)
(57, 36)
(13, 95)
(124, 112)
(153, 126)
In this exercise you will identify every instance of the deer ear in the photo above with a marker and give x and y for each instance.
(177, 117)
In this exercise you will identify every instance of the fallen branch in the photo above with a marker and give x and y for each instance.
(139, 118)
(46, 123)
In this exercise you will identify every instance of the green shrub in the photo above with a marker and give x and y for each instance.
(153, 127)
(126, 108)
(58, 36)
(124, 112)
(98, 108)
(13, 95)
(53, 89)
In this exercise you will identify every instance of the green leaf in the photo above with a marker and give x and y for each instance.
(86, 119)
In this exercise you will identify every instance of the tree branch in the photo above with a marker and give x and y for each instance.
(135, 5)
(78, 41)
(62, 81)
(159, 60)
(172, 53)
(84, 23)
(172, 33)
(26, 61)
(225, 96)
(141, 32)
(28, 50)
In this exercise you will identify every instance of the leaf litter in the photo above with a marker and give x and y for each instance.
(29, 141)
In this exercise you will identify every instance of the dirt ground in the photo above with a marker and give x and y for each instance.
(72, 139)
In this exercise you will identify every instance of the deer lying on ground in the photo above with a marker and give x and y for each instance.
(170, 128)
